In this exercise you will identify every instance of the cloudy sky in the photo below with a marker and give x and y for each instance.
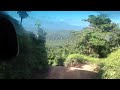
(62, 20)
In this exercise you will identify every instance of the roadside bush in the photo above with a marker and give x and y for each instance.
(111, 67)
(74, 59)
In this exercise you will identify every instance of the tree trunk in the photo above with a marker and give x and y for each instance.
(21, 20)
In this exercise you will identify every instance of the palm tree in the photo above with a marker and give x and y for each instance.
(38, 24)
(22, 15)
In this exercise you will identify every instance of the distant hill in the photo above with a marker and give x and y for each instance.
(58, 35)
(50, 26)
(58, 38)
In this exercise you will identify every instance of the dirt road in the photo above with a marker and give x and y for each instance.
(82, 71)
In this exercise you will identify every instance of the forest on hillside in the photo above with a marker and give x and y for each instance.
(99, 44)
(96, 44)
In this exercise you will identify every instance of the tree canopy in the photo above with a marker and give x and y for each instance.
(100, 21)
(23, 15)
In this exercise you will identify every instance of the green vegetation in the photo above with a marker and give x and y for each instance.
(74, 59)
(32, 56)
(110, 70)
(98, 44)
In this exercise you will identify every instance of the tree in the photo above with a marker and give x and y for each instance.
(38, 24)
(22, 15)
(100, 21)
(100, 39)
(41, 33)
